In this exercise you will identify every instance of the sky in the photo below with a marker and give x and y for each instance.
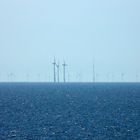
(33, 32)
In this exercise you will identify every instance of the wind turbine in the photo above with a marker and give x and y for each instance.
(97, 77)
(27, 77)
(112, 76)
(54, 64)
(137, 77)
(38, 75)
(108, 77)
(57, 65)
(122, 77)
(64, 71)
(10, 75)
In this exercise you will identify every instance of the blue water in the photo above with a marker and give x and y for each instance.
(69, 111)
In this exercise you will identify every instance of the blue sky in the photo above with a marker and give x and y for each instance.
(32, 32)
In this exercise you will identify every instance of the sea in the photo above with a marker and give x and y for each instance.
(70, 111)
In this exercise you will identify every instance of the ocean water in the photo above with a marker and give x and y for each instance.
(76, 111)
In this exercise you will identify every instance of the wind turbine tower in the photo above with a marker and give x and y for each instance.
(64, 71)
(122, 77)
(57, 65)
(137, 77)
(54, 64)
(27, 77)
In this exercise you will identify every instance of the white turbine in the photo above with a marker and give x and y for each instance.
(54, 64)
(64, 71)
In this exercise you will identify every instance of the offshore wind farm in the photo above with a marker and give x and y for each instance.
(60, 73)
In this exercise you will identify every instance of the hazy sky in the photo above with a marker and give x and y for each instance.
(32, 32)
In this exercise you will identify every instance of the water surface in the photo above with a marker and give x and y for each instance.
(45, 111)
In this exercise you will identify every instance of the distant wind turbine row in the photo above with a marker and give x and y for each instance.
(95, 77)
(57, 65)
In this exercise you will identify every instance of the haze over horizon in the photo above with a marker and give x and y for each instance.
(33, 32)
